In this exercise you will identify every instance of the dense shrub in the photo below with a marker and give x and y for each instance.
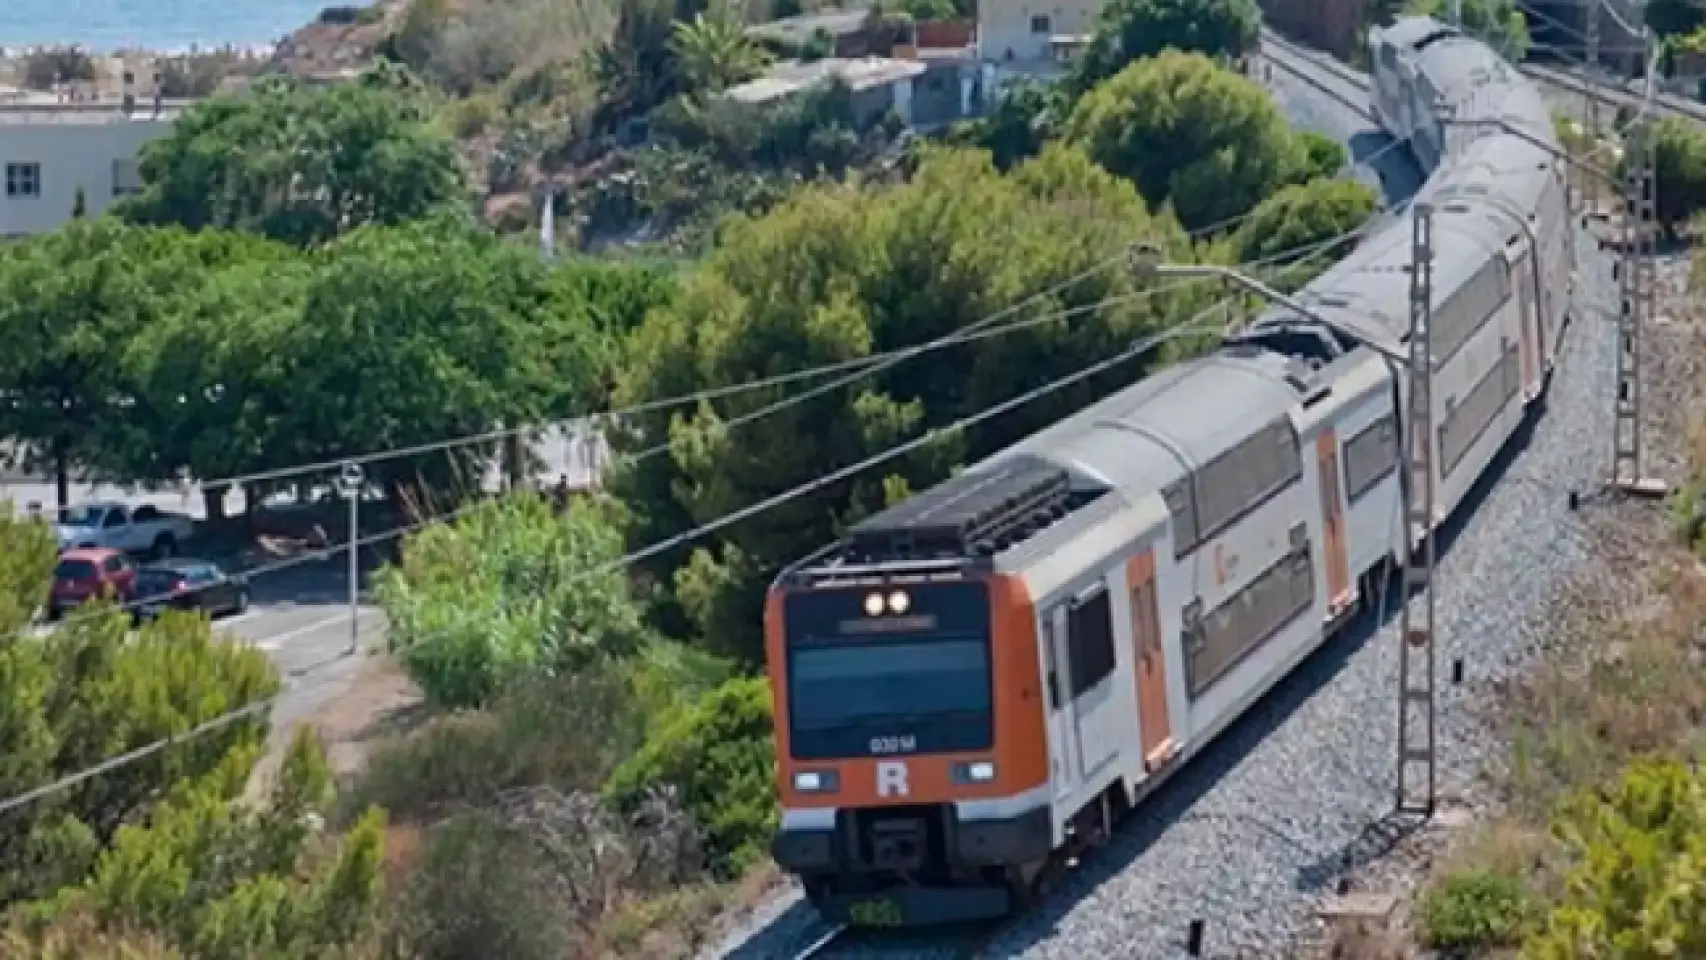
(1476, 910)
(1295, 228)
(221, 881)
(565, 731)
(1633, 888)
(502, 594)
(719, 753)
(1191, 133)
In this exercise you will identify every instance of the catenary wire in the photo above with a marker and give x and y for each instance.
(1196, 325)
(868, 366)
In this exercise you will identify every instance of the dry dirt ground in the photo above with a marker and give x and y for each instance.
(375, 702)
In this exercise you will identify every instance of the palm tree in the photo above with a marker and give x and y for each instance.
(714, 53)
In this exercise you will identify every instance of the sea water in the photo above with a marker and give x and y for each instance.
(164, 25)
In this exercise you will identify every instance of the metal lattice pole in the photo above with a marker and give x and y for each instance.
(1638, 292)
(1417, 766)
(1590, 185)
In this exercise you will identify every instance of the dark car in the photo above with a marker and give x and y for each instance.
(185, 584)
(82, 575)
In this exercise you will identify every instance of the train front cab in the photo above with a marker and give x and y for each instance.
(911, 750)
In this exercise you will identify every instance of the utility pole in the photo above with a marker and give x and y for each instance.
(352, 479)
(1590, 185)
(1417, 761)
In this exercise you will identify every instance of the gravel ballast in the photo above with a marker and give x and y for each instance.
(1299, 793)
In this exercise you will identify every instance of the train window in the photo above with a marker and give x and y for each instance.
(1469, 419)
(1469, 309)
(1090, 642)
(1276, 597)
(1370, 456)
(1246, 475)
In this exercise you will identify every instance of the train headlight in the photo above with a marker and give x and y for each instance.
(816, 781)
(899, 601)
(981, 771)
(873, 604)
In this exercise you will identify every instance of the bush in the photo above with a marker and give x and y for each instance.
(1324, 156)
(719, 753)
(536, 875)
(1299, 218)
(224, 882)
(1633, 889)
(501, 595)
(1476, 910)
(567, 732)
(1191, 133)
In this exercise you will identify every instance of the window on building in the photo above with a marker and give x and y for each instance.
(23, 179)
(1039, 25)
(126, 179)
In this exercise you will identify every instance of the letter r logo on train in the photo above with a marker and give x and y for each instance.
(891, 779)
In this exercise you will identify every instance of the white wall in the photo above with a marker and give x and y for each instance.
(1004, 25)
(73, 150)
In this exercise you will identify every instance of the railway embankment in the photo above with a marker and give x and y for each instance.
(1588, 742)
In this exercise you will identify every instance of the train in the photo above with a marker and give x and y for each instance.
(1002, 666)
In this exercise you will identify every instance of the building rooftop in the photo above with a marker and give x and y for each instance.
(797, 30)
(31, 108)
(791, 76)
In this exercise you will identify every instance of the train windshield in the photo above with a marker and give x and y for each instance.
(925, 695)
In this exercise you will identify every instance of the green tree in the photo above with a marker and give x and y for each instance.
(90, 691)
(1303, 218)
(1190, 133)
(836, 274)
(1674, 18)
(228, 882)
(206, 387)
(502, 594)
(1501, 23)
(70, 303)
(299, 164)
(415, 333)
(1129, 30)
(1028, 115)
(714, 53)
(719, 754)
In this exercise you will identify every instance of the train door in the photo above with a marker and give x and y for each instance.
(1154, 725)
(1062, 729)
(1333, 523)
(1522, 273)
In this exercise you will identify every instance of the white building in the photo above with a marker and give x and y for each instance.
(50, 147)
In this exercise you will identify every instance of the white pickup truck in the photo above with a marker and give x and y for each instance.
(146, 529)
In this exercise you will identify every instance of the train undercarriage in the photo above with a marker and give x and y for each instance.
(921, 865)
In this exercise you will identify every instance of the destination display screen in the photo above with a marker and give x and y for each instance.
(895, 670)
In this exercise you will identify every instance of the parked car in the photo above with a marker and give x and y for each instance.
(83, 574)
(185, 584)
(147, 529)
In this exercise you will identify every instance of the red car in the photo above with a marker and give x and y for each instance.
(87, 573)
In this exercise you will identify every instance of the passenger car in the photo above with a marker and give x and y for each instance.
(187, 584)
(146, 529)
(84, 574)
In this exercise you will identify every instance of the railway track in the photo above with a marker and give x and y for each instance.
(1308, 66)
(842, 942)
(1666, 103)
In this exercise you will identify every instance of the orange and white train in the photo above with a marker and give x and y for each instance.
(972, 679)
